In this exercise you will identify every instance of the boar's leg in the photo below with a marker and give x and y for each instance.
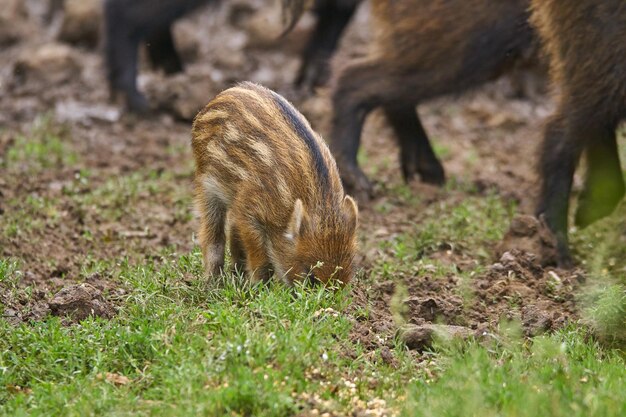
(363, 85)
(604, 182)
(237, 252)
(333, 17)
(127, 23)
(162, 51)
(416, 154)
(357, 91)
(122, 41)
(212, 234)
(560, 153)
(54, 7)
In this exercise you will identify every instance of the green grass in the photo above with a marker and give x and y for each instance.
(179, 346)
(559, 375)
(117, 196)
(601, 249)
(190, 350)
(467, 226)
(185, 348)
(44, 147)
(32, 213)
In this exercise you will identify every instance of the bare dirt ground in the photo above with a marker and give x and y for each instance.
(116, 188)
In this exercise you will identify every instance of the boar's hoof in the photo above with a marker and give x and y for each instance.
(137, 103)
(563, 255)
(428, 167)
(433, 174)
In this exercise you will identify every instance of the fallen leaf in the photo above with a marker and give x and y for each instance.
(115, 379)
(16, 389)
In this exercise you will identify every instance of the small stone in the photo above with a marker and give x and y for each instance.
(524, 225)
(263, 30)
(81, 22)
(422, 337)
(387, 356)
(497, 267)
(188, 41)
(9, 34)
(536, 320)
(49, 64)
(183, 95)
(507, 257)
(82, 112)
(12, 25)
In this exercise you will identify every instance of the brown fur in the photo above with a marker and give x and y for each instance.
(586, 42)
(422, 49)
(259, 163)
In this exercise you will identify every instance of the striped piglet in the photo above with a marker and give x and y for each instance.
(267, 178)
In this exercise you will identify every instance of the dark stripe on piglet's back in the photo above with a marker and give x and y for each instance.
(307, 136)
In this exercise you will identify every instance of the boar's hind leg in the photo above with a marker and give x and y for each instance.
(333, 17)
(559, 155)
(122, 43)
(416, 154)
(604, 182)
(162, 51)
(212, 235)
(360, 87)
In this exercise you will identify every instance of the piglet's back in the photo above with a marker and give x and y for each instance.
(250, 136)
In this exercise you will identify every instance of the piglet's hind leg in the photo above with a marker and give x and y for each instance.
(211, 235)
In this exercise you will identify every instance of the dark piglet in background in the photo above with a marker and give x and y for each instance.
(422, 49)
(586, 42)
(129, 23)
(333, 16)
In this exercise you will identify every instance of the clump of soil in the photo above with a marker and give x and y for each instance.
(422, 337)
(81, 22)
(52, 63)
(531, 235)
(516, 288)
(78, 302)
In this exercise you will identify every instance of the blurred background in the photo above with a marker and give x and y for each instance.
(85, 183)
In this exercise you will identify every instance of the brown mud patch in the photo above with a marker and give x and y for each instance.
(117, 188)
(515, 289)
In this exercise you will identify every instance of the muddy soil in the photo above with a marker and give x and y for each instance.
(84, 210)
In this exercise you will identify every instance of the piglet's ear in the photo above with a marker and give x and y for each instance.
(295, 222)
(350, 211)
